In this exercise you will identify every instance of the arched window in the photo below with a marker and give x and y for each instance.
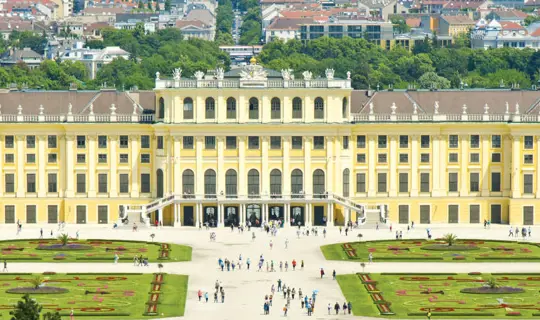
(210, 108)
(297, 183)
(253, 109)
(275, 183)
(318, 183)
(161, 108)
(188, 109)
(346, 176)
(210, 184)
(297, 108)
(344, 108)
(318, 107)
(188, 182)
(231, 108)
(231, 183)
(159, 175)
(253, 183)
(275, 105)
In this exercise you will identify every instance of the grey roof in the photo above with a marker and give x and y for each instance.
(235, 73)
(57, 102)
(20, 54)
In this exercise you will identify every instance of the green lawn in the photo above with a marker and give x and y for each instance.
(102, 296)
(402, 296)
(434, 250)
(91, 250)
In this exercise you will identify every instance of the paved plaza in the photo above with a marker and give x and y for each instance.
(245, 290)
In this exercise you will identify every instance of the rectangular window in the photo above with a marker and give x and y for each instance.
(474, 180)
(403, 158)
(230, 143)
(361, 157)
(145, 158)
(30, 158)
(528, 183)
(424, 157)
(30, 183)
(453, 141)
(475, 141)
(361, 182)
(10, 214)
(495, 141)
(381, 158)
(453, 213)
(9, 179)
(275, 143)
(9, 142)
(452, 182)
(403, 141)
(30, 141)
(52, 158)
(102, 183)
(361, 142)
(253, 143)
(9, 158)
(81, 183)
(495, 157)
(345, 142)
(124, 158)
(102, 142)
(124, 183)
(52, 183)
(102, 158)
(403, 182)
(31, 214)
(145, 183)
(381, 182)
(318, 142)
(103, 214)
(528, 142)
(81, 142)
(453, 157)
(209, 142)
(495, 182)
(186, 141)
(424, 182)
(51, 142)
(297, 143)
(161, 144)
(382, 142)
(145, 142)
(124, 142)
(81, 158)
(424, 141)
(52, 214)
(528, 158)
(475, 158)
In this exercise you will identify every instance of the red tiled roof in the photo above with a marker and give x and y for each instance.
(511, 26)
(413, 22)
(535, 33)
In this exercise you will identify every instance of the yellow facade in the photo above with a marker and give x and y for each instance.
(311, 150)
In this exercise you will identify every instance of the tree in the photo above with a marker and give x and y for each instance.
(449, 238)
(492, 283)
(63, 238)
(400, 24)
(531, 19)
(52, 316)
(149, 4)
(430, 80)
(168, 5)
(141, 5)
(27, 309)
(37, 281)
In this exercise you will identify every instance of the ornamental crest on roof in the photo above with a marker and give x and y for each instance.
(253, 71)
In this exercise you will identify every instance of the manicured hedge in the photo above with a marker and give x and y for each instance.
(516, 274)
(22, 258)
(104, 274)
(408, 258)
(452, 314)
(96, 314)
(508, 259)
(412, 274)
(17, 274)
(110, 259)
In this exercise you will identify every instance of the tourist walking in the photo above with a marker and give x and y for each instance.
(199, 294)
(349, 305)
(336, 308)
(206, 296)
(41, 233)
(286, 243)
(116, 258)
(5, 266)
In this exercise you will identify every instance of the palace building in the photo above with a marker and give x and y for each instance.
(254, 145)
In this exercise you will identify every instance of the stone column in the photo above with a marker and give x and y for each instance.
(485, 165)
(507, 165)
(2, 183)
(220, 166)
(199, 174)
(265, 174)
(414, 165)
(61, 173)
(42, 160)
(176, 163)
(92, 173)
(286, 166)
(372, 176)
(436, 165)
(308, 175)
(516, 167)
(464, 189)
(70, 175)
(242, 192)
(443, 159)
(392, 159)
(331, 159)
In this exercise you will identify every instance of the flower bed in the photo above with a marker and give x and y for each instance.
(445, 247)
(488, 290)
(67, 247)
(40, 290)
